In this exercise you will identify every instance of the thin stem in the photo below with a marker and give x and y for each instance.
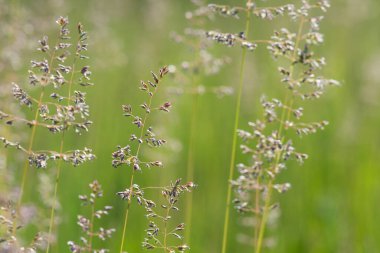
(190, 158)
(190, 165)
(26, 164)
(52, 211)
(268, 196)
(126, 214)
(234, 138)
(31, 141)
(133, 170)
(257, 208)
(153, 187)
(257, 195)
(91, 235)
(30, 146)
(166, 227)
(37, 123)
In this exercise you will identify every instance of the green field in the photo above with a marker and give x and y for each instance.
(333, 203)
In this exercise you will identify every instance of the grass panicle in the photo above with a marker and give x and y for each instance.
(161, 234)
(269, 143)
(64, 109)
(87, 223)
(256, 181)
(132, 155)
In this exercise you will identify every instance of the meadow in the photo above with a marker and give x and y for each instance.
(195, 81)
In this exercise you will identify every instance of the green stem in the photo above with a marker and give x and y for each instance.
(133, 171)
(26, 164)
(166, 227)
(234, 138)
(257, 209)
(30, 146)
(132, 178)
(190, 163)
(288, 104)
(31, 141)
(126, 214)
(91, 235)
(52, 211)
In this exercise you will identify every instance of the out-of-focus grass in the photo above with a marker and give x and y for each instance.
(332, 206)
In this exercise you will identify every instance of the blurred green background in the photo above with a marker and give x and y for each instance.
(335, 197)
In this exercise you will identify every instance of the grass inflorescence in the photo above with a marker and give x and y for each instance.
(132, 156)
(65, 108)
(271, 147)
(87, 223)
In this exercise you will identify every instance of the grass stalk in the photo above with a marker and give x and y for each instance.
(30, 147)
(288, 104)
(31, 141)
(126, 215)
(55, 196)
(133, 172)
(190, 159)
(52, 211)
(91, 235)
(26, 164)
(234, 137)
(166, 228)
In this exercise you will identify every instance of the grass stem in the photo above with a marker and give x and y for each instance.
(234, 138)
(52, 211)
(288, 104)
(91, 235)
(133, 171)
(190, 160)
(55, 196)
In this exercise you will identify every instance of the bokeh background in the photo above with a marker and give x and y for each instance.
(335, 197)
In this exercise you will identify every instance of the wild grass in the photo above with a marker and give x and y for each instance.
(190, 75)
(55, 105)
(132, 156)
(256, 181)
(62, 111)
(88, 223)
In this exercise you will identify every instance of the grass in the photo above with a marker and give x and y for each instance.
(234, 136)
(333, 196)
